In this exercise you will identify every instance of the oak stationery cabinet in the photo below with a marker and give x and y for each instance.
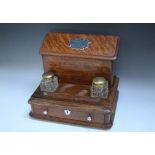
(80, 64)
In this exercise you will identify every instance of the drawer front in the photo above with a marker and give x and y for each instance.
(69, 113)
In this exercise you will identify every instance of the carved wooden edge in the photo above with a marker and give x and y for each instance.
(82, 56)
(69, 121)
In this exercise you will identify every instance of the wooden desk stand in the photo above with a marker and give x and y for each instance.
(75, 69)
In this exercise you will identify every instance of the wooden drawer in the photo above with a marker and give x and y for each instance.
(68, 107)
(71, 113)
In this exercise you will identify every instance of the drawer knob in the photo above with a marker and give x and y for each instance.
(67, 112)
(89, 118)
(45, 112)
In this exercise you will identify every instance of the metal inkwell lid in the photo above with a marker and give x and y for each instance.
(99, 82)
(48, 75)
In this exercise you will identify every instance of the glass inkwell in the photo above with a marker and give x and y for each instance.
(99, 87)
(49, 82)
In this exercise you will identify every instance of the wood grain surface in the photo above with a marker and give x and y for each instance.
(78, 70)
(75, 70)
(101, 110)
(100, 47)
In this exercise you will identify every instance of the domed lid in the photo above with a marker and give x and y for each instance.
(99, 81)
(48, 75)
(104, 47)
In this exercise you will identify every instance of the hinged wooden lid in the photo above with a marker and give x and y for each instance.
(80, 45)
